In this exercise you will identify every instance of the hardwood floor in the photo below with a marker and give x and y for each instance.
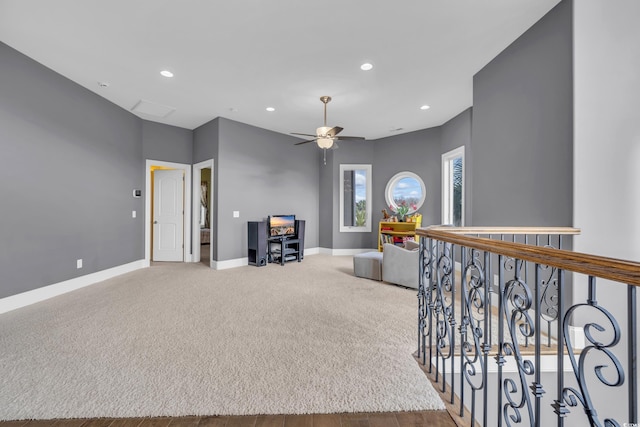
(378, 419)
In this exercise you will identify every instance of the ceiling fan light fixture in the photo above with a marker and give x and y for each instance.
(326, 137)
(325, 143)
(322, 131)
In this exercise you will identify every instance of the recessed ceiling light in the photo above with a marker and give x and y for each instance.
(425, 107)
(166, 73)
(366, 66)
(271, 109)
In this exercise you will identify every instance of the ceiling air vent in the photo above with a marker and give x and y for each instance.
(152, 109)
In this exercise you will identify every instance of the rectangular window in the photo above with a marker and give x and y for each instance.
(453, 187)
(355, 198)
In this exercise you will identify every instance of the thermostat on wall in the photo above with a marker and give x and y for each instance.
(137, 193)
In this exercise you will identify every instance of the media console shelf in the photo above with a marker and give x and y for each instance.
(283, 249)
(263, 249)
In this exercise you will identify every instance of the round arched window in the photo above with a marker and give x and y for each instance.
(405, 188)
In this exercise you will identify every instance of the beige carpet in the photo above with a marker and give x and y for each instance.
(182, 339)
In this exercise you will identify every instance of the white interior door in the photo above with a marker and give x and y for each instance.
(168, 215)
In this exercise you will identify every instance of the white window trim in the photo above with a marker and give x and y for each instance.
(354, 229)
(446, 162)
(388, 191)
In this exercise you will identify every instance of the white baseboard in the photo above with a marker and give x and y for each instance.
(548, 363)
(576, 333)
(36, 295)
(240, 262)
(230, 263)
(343, 252)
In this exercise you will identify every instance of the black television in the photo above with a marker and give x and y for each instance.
(282, 225)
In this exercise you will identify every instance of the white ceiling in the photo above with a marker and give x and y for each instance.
(234, 58)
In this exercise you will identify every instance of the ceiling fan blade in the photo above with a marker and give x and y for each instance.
(352, 138)
(334, 131)
(304, 142)
(303, 134)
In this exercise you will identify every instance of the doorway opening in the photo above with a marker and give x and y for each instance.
(203, 219)
(167, 211)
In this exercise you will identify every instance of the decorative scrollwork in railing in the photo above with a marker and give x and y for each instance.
(548, 294)
(534, 288)
(444, 302)
(474, 307)
(425, 295)
(516, 303)
(573, 397)
(513, 267)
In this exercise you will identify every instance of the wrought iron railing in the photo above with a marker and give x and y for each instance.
(495, 304)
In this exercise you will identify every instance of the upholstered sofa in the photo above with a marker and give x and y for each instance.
(395, 264)
(400, 265)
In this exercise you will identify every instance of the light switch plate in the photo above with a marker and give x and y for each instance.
(236, 214)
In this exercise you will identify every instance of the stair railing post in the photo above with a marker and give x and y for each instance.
(560, 408)
(421, 298)
(632, 346)
(536, 387)
(500, 360)
(463, 323)
(487, 333)
(431, 295)
(452, 322)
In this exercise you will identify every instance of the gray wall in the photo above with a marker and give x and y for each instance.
(350, 152)
(418, 152)
(521, 155)
(205, 146)
(607, 155)
(523, 129)
(166, 143)
(326, 208)
(607, 128)
(457, 133)
(70, 162)
(261, 173)
(206, 141)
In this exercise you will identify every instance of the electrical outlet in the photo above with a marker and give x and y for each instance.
(79, 263)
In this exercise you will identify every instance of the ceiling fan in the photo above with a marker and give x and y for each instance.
(326, 136)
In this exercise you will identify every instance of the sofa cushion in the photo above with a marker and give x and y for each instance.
(368, 264)
(400, 266)
(411, 245)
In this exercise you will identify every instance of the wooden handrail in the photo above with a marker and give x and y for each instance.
(506, 230)
(606, 268)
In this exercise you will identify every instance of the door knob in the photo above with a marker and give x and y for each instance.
(155, 222)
